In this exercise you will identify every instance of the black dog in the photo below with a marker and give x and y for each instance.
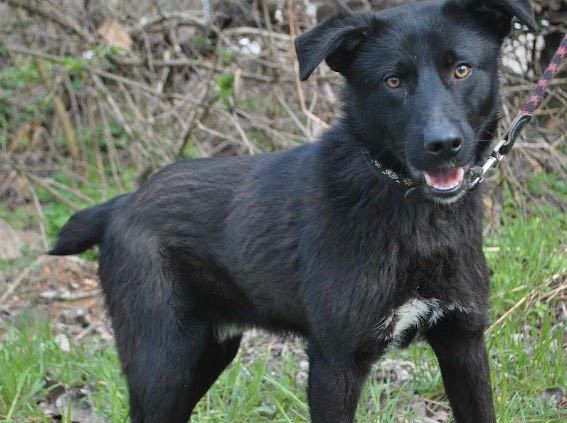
(359, 242)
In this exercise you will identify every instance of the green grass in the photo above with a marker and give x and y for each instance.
(524, 362)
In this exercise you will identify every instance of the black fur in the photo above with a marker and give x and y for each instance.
(86, 228)
(310, 241)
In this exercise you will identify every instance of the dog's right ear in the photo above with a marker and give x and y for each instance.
(334, 40)
(499, 13)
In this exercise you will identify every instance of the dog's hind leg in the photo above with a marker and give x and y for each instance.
(160, 362)
(169, 352)
(215, 358)
(168, 375)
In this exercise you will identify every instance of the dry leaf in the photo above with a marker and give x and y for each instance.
(114, 34)
(10, 242)
(91, 283)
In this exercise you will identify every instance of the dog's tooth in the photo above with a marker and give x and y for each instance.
(461, 174)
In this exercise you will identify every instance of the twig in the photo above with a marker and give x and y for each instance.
(249, 146)
(526, 299)
(52, 191)
(112, 154)
(139, 62)
(299, 87)
(113, 104)
(243, 30)
(90, 111)
(291, 114)
(40, 214)
(74, 296)
(52, 15)
(205, 105)
(59, 105)
(182, 18)
(24, 274)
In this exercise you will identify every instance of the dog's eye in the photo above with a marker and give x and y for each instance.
(393, 82)
(462, 71)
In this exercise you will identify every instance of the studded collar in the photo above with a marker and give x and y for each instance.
(385, 173)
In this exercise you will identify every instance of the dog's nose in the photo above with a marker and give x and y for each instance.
(445, 144)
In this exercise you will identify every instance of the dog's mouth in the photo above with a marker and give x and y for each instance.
(446, 179)
(446, 184)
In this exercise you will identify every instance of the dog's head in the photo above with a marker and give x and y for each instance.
(422, 83)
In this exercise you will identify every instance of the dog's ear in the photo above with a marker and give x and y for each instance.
(500, 13)
(334, 40)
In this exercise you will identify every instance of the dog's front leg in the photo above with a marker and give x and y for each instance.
(464, 366)
(334, 388)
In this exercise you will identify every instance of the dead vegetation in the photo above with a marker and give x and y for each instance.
(157, 82)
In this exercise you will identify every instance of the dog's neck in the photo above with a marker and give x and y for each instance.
(350, 180)
(375, 146)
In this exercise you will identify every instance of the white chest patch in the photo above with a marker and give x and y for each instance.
(413, 313)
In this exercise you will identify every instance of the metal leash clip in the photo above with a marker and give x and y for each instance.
(502, 148)
(479, 172)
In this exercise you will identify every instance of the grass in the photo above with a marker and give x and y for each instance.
(525, 362)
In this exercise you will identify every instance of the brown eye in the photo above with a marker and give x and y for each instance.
(462, 71)
(393, 82)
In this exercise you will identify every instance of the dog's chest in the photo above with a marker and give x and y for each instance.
(403, 323)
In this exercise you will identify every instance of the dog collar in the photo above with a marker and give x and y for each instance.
(384, 172)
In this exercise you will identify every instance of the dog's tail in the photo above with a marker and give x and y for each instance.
(86, 228)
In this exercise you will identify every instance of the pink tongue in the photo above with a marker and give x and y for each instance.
(444, 177)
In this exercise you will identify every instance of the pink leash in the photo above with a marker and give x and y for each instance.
(525, 115)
